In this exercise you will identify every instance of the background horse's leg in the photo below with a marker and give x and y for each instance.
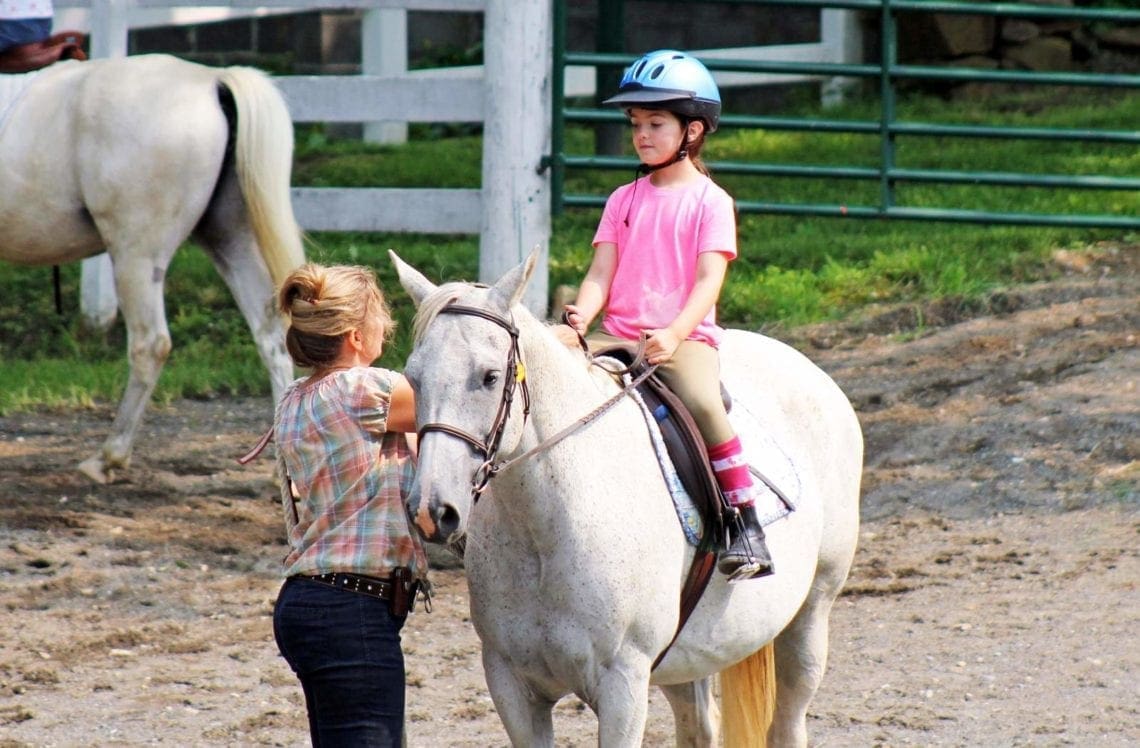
(229, 241)
(525, 715)
(696, 715)
(140, 287)
(249, 229)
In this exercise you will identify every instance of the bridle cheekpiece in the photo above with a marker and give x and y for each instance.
(516, 377)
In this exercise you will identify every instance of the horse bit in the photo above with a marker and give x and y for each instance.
(516, 376)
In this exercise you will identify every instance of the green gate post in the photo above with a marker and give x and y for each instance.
(556, 161)
(609, 136)
(888, 26)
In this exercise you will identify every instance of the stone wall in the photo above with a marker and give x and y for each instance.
(1011, 43)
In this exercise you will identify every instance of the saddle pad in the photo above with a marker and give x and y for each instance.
(762, 454)
(767, 460)
(11, 88)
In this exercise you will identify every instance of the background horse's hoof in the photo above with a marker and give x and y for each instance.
(94, 469)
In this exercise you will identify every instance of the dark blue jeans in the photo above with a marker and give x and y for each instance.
(17, 31)
(345, 649)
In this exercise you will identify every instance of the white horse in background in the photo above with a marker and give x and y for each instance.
(132, 156)
(575, 559)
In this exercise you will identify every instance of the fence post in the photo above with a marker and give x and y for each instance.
(384, 52)
(516, 136)
(98, 302)
(842, 38)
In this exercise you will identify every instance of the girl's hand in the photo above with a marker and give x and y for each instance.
(660, 345)
(573, 318)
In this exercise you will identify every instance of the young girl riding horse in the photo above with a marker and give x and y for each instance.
(661, 252)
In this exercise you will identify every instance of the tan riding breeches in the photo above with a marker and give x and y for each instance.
(693, 374)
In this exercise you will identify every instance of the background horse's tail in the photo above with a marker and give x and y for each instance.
(748, 699)
(263, 156)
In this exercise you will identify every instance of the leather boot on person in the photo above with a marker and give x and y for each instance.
(747, 555)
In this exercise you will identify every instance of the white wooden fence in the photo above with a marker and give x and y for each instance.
(511, 212)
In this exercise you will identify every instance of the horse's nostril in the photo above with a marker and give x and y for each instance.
(448, 520)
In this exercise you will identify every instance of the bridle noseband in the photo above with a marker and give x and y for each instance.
(515, 376)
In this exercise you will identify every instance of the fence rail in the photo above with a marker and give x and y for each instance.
(510, 213)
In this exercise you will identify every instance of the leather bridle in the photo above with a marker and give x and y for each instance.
(515, 377)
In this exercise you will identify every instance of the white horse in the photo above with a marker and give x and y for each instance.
(575, 559)
(131, 156)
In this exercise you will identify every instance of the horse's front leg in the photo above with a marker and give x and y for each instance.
(526, 715)
(622, 704)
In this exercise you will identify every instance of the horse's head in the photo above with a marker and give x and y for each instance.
(471, 392)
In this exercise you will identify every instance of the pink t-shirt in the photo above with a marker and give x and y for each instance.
(657, 252)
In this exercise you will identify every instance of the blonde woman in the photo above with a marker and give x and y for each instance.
(354, 564)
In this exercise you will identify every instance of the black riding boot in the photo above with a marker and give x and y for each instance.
(747, 555)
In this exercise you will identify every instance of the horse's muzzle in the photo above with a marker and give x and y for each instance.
(436, 523)
(458, 544)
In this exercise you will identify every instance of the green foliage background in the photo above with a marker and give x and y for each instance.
(791, 270)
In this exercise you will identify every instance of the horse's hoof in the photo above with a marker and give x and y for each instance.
(92, 467)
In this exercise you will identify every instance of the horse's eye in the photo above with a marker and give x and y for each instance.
(490, 378)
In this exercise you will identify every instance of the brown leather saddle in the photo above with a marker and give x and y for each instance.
(66, 45)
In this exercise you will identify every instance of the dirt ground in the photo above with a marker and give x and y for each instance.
(994, 599)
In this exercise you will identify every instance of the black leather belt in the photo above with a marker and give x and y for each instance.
(353, 583)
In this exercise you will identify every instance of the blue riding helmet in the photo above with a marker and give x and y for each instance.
(673, 81)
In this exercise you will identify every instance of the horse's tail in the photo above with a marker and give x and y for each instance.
(748, 699)
(263, 157)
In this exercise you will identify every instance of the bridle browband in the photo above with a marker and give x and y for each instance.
(515, 375)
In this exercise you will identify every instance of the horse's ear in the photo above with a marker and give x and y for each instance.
(512, 286)
(413, 281)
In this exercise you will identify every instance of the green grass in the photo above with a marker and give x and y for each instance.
(791, 270)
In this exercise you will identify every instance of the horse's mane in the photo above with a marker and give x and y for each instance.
(430, 306)
(449, 293)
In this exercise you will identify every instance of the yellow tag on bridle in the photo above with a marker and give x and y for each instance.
(520, 372)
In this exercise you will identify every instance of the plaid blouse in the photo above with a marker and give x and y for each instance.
(344, 478)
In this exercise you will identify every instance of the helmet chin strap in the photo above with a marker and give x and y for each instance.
(681, 154)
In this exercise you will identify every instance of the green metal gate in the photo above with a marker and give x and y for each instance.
(888, 128)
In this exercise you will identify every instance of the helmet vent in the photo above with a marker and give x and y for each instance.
(657, 71)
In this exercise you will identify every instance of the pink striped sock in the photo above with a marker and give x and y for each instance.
(732, 472)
